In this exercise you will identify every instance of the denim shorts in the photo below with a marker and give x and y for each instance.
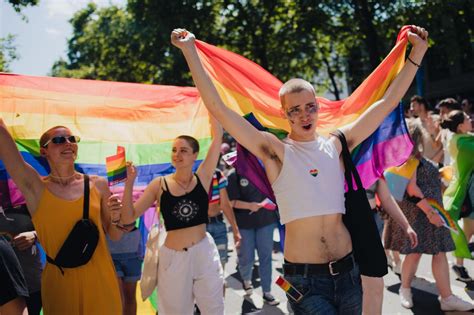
(218, 231)
(128, 266)
(326, 294)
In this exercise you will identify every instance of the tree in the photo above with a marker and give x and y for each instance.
(7, 52)
(20, 4)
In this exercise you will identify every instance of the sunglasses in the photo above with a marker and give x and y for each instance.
(310, 108)
(62, 139)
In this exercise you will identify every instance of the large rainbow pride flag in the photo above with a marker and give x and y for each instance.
(246, 87)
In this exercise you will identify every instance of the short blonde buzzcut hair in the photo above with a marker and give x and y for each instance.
(295, 85)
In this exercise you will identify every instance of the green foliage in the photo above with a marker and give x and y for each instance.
(7, 52)
(19, 4)
(321, 41)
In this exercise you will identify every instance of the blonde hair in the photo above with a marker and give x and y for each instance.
(294, 86)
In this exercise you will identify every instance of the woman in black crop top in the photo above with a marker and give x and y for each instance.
(189, 270)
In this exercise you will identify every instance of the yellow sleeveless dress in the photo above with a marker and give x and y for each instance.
(89, 289)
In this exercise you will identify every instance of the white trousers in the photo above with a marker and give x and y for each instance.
(188, 276)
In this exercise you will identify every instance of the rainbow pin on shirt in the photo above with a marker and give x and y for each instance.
(289, 289)
(448, 221)
(116, 167)
(314, 172)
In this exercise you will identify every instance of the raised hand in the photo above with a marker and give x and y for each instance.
(114, 205)
(131, 173)
(181, 38)
(418, 36)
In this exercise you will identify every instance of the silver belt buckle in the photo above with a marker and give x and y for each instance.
(331, 271)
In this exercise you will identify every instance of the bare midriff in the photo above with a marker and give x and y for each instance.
(214, 209)
(316, 240)
(182, 239)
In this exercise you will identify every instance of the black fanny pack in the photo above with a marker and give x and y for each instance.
(81, 242)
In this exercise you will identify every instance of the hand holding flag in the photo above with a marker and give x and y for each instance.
(116, 167)
(267, 204)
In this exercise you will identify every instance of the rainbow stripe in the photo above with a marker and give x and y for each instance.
(116, 167)
(448, 221)
(248, 88)
(289, 289)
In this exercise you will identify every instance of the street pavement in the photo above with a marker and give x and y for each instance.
(424, 290)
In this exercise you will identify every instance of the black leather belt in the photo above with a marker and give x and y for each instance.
(333, 268)
(217, 218)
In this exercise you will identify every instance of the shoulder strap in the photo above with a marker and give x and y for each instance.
(5, 201)
(166, 184)
(350, 169)
(85, 209)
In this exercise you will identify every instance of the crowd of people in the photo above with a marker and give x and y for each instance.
(319, 259)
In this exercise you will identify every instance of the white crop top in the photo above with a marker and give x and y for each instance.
(311, 181)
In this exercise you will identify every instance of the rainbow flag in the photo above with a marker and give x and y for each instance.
(448, 221)
(144, 119)
(116, 166)
(398, 177)
(248, 88)
(268, 204)
(289, 289)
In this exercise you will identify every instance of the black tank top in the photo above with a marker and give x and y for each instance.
(185, 211)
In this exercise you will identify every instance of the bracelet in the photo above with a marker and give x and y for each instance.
(409, 59)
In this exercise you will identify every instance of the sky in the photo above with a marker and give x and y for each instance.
(42, 38)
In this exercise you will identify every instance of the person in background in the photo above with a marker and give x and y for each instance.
(13, 289)
(219, 204)
(433, 238)
(456, 196)
(373, 286)
(468, 108)
(256, 225)
(445, 106)
(432, 147)
(127, 255)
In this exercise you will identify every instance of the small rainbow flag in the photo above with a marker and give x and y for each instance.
(448, 221)
(289, 289)
(267, 204)
(116, 167)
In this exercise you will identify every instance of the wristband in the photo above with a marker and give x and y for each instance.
(414, 63)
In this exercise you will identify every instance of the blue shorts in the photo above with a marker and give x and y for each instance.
(128, 266)
(218, 231)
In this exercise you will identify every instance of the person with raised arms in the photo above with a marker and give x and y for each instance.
(318, 249)
(189, 268)
(56, 203)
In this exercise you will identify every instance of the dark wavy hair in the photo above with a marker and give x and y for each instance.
(453, 120)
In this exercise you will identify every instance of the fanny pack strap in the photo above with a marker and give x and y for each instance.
(85, 205)
(85, 215)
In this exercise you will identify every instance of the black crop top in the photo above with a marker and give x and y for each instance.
(185, 211)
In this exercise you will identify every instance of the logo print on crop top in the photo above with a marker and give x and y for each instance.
(185, 210)
(314, 172)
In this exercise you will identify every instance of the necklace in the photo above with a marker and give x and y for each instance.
(185, 188)
(62, 180)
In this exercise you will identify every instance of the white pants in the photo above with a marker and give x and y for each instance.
(186, 276)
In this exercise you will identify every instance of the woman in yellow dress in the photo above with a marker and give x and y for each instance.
(56, 204)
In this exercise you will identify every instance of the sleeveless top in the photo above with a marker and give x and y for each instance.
(311, 181)
(184, 211)
(84, 289)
